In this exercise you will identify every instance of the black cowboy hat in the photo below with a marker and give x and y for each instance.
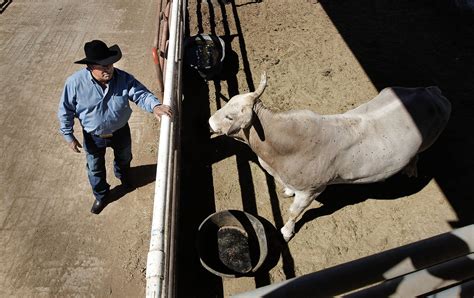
(97, 52)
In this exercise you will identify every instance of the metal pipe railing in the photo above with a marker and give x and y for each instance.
(463, 289)
(380, 268)
(423, 281)
(158, 261)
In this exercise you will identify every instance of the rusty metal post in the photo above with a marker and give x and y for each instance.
(158, 54)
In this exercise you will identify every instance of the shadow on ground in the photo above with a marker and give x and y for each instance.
(199, 152)
(398, 43)
(420, 43)
(140, 176)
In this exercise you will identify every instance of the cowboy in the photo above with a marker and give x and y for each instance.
(99, 96)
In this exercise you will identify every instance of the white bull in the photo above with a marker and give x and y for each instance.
(306, 151)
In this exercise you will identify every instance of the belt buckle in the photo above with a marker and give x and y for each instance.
(106, 136)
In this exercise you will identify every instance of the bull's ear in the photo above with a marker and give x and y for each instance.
(246, 116)
(235, 127)
(243, 120)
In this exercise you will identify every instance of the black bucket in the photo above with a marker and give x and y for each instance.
(205, 53)
(232, 243)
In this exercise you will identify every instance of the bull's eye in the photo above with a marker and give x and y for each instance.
(229, 117)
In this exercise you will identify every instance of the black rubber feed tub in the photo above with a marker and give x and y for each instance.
(205, 53)
(232, 243)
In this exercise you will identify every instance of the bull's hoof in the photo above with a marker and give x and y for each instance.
(286, 235)
(288, 192)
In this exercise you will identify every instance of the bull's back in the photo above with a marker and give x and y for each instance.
(366, 144)
(394, 127)
(425, 109)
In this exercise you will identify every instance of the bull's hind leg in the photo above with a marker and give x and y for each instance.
(288, 192)
(301, 201)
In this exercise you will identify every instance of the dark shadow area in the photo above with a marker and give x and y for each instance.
(288, 262)
(4, 5)
(230, 65)
(276, 245)
(398, 43)
(196, 184)
(249, 3)
(140, 176)
(465, 289)
(198, 154)
(225, 147)
(244, 156)
(196, 187)
(451, 271)
(421, 43)
(434, 254)
(197, 192)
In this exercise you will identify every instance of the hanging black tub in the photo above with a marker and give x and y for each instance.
(205, 53)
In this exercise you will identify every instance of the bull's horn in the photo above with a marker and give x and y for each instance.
(261, 87)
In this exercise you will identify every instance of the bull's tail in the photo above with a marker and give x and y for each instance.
(441, 117)
(435, 92)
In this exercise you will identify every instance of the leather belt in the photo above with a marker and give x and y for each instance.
(105, 136)
(109, 135)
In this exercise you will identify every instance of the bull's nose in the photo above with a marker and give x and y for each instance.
(211, 130)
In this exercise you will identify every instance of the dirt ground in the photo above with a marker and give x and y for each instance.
(327, 56)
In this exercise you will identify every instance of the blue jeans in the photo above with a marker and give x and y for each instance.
(95, 148)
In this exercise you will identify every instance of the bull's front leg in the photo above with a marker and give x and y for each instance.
(301, 201)
(288, 192)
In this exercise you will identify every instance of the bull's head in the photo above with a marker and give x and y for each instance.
(237, 113)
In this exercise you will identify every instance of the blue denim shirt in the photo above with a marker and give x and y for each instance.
(101, 111)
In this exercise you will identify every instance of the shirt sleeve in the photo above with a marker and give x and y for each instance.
(67, 111)
(140, 95)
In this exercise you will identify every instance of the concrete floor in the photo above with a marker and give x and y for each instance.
(50, 243)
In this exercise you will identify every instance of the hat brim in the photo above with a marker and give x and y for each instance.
(115, 55)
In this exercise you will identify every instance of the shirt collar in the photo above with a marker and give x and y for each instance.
(93, 80)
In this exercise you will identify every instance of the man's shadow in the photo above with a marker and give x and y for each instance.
(139, 177)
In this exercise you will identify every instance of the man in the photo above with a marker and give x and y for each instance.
(99, 96)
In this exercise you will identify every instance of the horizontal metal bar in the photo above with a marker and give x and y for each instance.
(374, 269)
(423, 281)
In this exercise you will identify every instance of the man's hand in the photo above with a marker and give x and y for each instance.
(75, 145)
(161, 110)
